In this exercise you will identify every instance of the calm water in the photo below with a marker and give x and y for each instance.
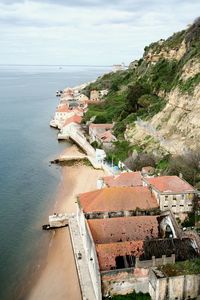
(27, 182)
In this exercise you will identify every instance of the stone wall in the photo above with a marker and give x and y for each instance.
(125, 281)
(91, 254)
(154, 262)
(173, 288)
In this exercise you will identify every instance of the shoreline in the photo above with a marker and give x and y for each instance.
(58, 278)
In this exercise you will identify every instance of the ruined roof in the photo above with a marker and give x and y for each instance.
(171, 184)
(121, 229)
(124, 179)
(106, 126)
(107, 253)
(117, 199)
(182, 248)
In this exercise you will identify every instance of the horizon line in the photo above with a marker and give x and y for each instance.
(56, 65)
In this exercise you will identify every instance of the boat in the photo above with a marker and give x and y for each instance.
(59, 93)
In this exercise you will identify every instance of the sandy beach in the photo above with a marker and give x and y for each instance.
(58, 280)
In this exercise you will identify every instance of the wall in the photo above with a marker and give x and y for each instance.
(91, 254)
(122, 213)
(155, 261)
(179, 203)
(173, 288)
(125, 281)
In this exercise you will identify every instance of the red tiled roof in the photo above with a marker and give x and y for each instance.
(117, 199)
(171, 184)
(106, 126)
(107, 136)
(124, 179)
(73, 119)
(63, 108)
(121, 229)
(108, 252)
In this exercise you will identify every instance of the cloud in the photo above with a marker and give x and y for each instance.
(87, 31)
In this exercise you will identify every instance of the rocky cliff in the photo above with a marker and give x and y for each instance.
(176, 128)
(155, 103)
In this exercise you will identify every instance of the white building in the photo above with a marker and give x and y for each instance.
(172, 193)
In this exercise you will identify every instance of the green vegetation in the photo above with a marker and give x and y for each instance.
(132, 296)
(136, 93)
(120, 152)
(163, 74)
(189, 85)
(182, 268)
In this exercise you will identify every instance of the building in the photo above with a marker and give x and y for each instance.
(130, 179)
(179, 286)
(118, 202)
(118, 67)
(103, 93)
(97, 130)
(94, 95)
(125, 236)
(61, 114)
(172, 193)
(72, 123)
(106, 139)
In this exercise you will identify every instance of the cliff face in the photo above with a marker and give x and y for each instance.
(155, 103)
(176, 128)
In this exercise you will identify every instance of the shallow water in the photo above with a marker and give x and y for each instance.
(27, 181)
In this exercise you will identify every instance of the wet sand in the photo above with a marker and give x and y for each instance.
(59, 280)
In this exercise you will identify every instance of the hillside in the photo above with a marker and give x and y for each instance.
(155, 103)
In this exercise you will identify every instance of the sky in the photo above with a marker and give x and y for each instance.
(87, 32)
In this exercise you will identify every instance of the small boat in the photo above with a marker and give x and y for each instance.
(56, 221)
(59, 93)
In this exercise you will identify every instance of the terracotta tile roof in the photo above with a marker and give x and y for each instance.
(117, 199)
(121, 229)
(107, 253)
(124, 179)
(106, 126)
(63, 108)
(171, 184)
(73, 119)
(107, 136)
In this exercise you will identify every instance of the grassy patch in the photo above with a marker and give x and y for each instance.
(187, 267)
(189, 85)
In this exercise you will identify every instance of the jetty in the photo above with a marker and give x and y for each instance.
(57, 221)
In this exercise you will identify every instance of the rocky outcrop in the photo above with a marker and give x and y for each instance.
(191, 68)
(176, 53)
(176, 127)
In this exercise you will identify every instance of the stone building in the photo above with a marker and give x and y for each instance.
(118, 202)
(172, 193)
(163, 286)
(97, 130)
(94, 95)
(125, 235)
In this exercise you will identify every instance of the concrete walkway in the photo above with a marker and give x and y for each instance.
(81, 264)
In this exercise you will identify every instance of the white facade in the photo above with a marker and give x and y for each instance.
(90, 253)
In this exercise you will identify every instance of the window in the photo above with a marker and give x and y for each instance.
(165, 205)
(173, 205)
(174, 197)
(181, 205)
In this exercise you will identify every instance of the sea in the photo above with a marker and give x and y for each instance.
(28, 182)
